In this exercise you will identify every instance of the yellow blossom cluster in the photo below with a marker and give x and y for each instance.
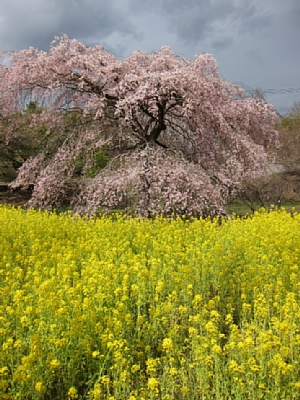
(128, 308)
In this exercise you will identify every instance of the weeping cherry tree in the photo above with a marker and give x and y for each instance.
(178, 138)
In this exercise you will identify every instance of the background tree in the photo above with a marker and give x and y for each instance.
(288, 153)
(288, 127)
(282, 180)
(178, 136)
(268, 191)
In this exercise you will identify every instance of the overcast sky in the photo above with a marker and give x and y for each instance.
(256, 42)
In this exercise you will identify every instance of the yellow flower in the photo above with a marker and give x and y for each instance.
(18, 344)
(229, 319)
(255, 368)
(96, 392)
(159, 286)
(8, 344)
(39, 387)
(105, 380)
(216, 349)
(167, 344)
(214, 314)
(3, 385)
(261, 386)
(210, 327)
(151, 365)
(192, 331)
(72, 393)
(135, 368)
(3, 371)
(185, 390)
(54, 364)
(153, 383)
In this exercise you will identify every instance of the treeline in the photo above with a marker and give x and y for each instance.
(282, 181)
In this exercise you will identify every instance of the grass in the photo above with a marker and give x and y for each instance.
(238, 207)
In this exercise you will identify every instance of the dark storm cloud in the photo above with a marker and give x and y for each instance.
(254, 41)
(36, 22)
(194, 20)
(190, 20)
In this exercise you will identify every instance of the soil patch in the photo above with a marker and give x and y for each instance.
(13, 197)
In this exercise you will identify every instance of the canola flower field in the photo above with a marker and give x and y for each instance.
(122, 308)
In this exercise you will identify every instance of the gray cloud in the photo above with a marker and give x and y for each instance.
(253, 41)
(222, 44)
(252, 20)
(36, 22)
(190, 20)
(194, 20)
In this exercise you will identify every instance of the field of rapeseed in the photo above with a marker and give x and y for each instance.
(124, 309)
